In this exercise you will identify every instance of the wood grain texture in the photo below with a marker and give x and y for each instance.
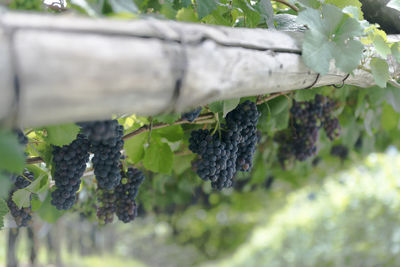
(74, 69)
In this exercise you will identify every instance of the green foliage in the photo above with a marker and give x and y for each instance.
(158, 157)
(60, 135)
(330, 37)
(12, 157)
(3, 212)
(380, 71)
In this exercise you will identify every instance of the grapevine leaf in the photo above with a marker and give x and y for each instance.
(12, 156)
(381, 46)
(48, 212)
(229, 105)
(317, 51)
(167, 10)
(134, 147)
(172, 133)
(287, 22)
(380, 71)
(123, 6)
(40, 184)
(395, 4)
(158, 157)
(344, 3)
(393, 97)
(35, 202)
(348, 55)
(186, 3)
(396, 51)
(310, 3)
(166, 118)
(304, 95)
(22, 198)
(389, 119)
(187, 14)
(5, 185)
(182, 163)
(217, 106)
(3, 212)
(251, 15)
(279, 104)
(60, 135)
(265, 9)
(282, 120)
(205, 7)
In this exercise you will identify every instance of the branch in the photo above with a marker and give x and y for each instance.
(288, 4)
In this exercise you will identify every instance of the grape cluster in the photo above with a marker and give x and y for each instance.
(121, 200)
(243, 120)
(191, 115)
(69, 165)
(300, 139)
(106, 143)
(222, 155)
(340, 151)
(126, 193)
(22, 216)
(106, 208)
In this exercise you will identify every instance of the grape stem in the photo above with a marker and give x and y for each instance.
(288, 4)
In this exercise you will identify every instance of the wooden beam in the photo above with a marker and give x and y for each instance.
(58, 69)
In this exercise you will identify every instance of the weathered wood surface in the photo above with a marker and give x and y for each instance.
(72, 69)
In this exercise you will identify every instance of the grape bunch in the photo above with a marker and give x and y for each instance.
(69, 165)
(222, 155)
(191, 115)
(121, 200)
(22, 216)
(126, 193)
(243, 120)
(106, 207)
(106, 143)
(306, 119)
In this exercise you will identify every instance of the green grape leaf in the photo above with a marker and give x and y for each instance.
(389, 119)
(22, 198)
(173, 133)
(166, 118)
(282, 120)
(251, 14)
(167, 10)
(328, 38)
(187, 14)
(158, 157)
(134, 147)
(344, 3)
(380, 71)
(205, 7)
(60, 135)
(304, 95)
(265, 9)
(186, 3)
(348, 55)
(36, 203)
(41, 183)
(395, 50)
(182, 163)
(5, 185)
(279, 104)
(381, 46)
(12, 158)
(3, 212)
(393, 97)
(217, 106)
(310, 3)
(48, 212)
(395, 4)
(123, 6)
(229, 105)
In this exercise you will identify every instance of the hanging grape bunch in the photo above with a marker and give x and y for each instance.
(222, 155)
(299, 141)
(69, 163)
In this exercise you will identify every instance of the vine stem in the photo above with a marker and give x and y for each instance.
(202, 119)
(288, 4)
